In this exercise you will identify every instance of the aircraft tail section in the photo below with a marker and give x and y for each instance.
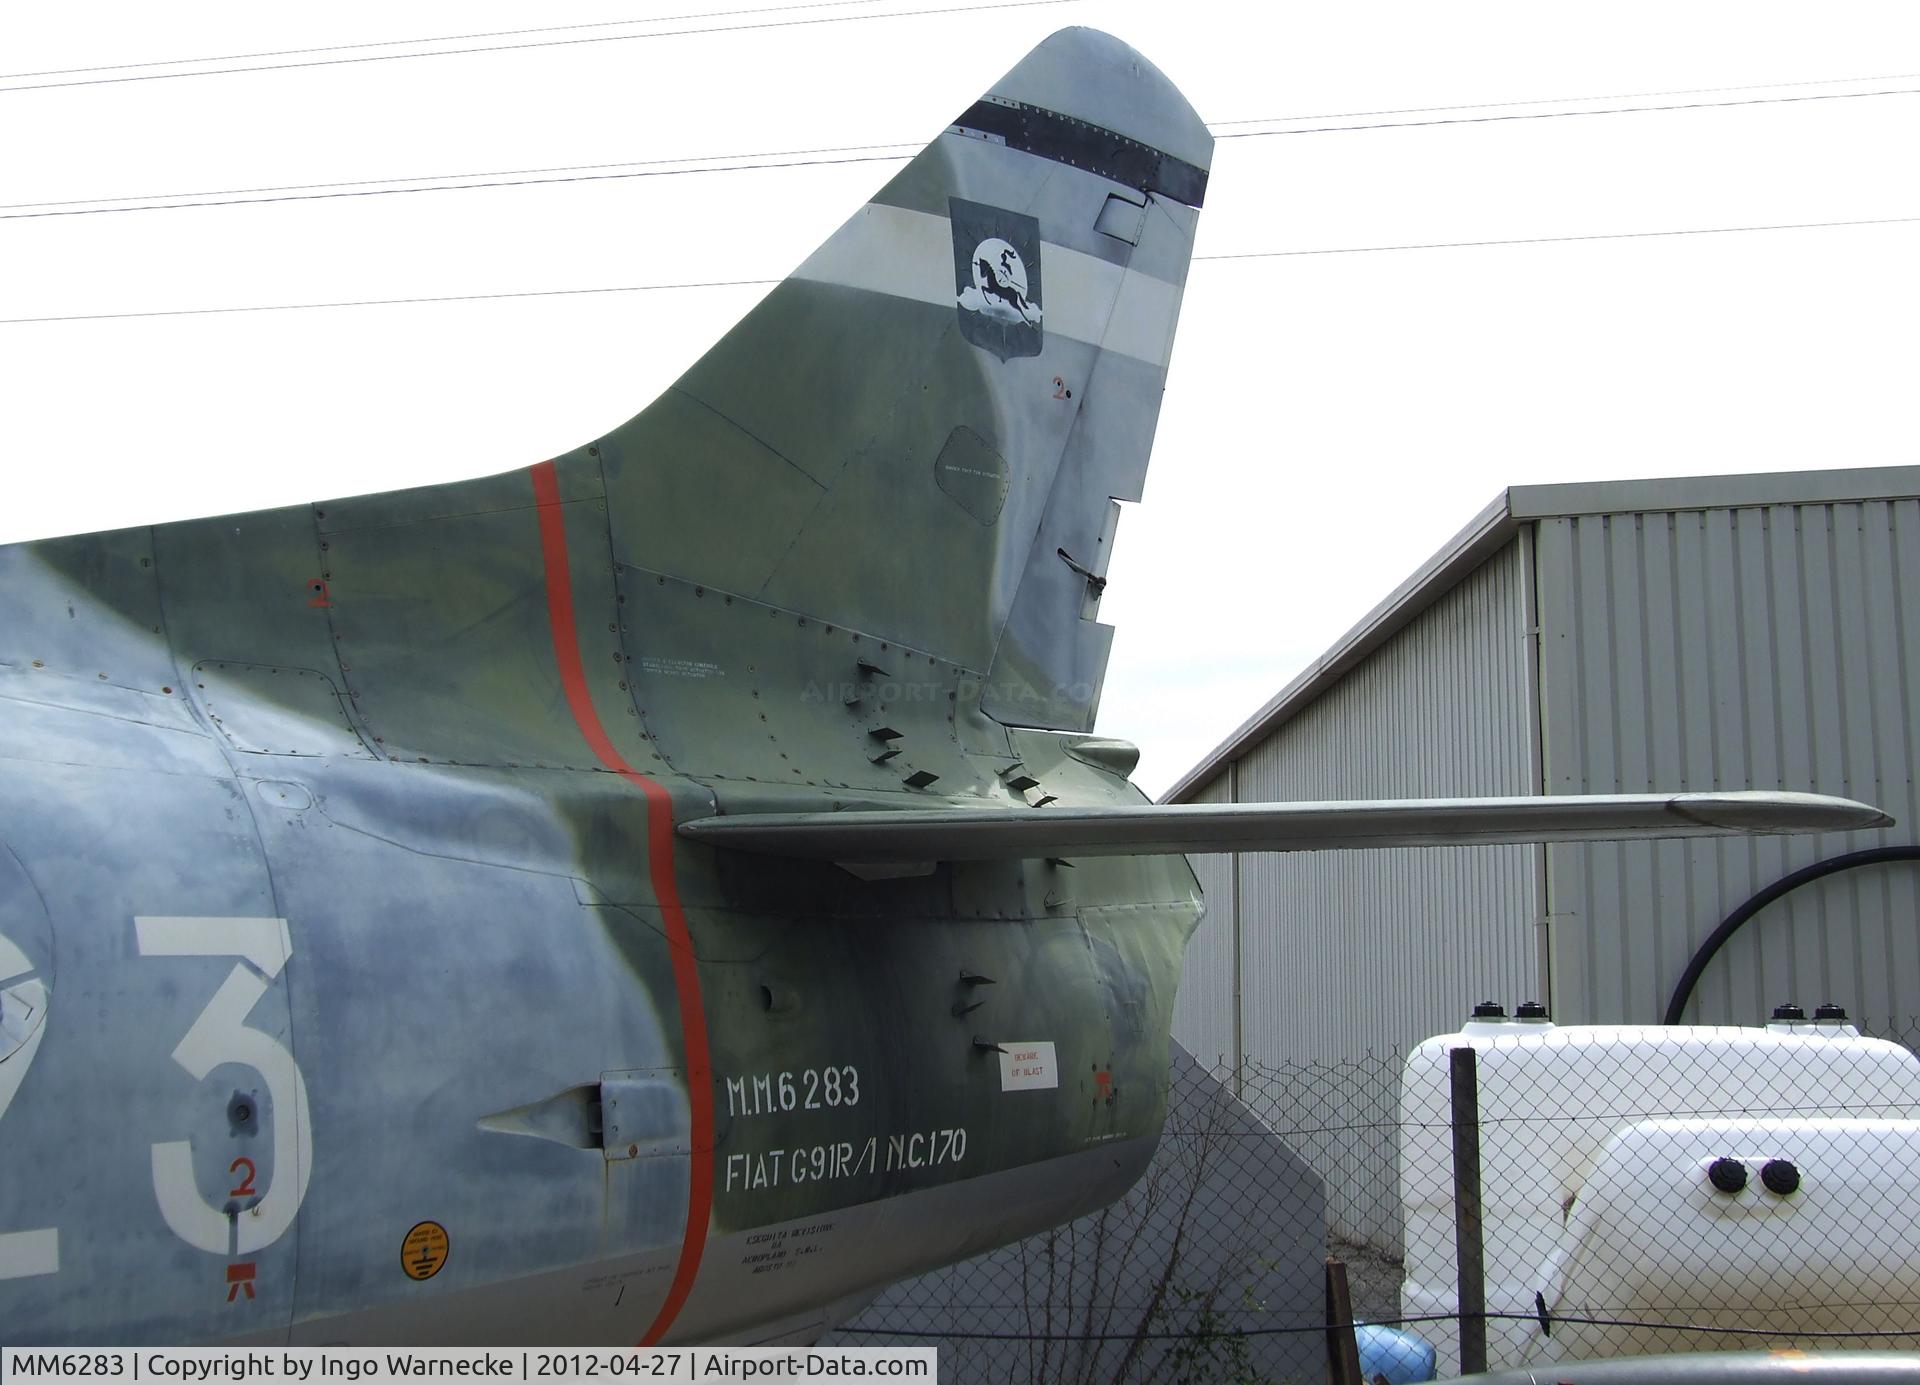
(856, 542)
(919, 436)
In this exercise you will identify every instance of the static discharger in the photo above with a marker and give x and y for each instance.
(970, 979)
(864, 671)
(1015, 777)
(883, 734)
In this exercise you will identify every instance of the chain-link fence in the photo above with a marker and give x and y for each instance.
(1573, 1193)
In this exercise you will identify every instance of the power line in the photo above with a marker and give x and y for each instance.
(1568, 115)
(432, 38)
(1559, 240)
(377, 187)
(391, 302)
(750, 283)
(843, 4)
(436, 177)
(544, 43)
(457, 187)
(1570, 100)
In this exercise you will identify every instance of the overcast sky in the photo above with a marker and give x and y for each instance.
(1330, 419)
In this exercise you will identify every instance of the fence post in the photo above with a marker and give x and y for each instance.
(1469, 1249)
(1343, 1352)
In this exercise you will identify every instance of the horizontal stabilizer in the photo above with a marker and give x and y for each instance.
(976, 834)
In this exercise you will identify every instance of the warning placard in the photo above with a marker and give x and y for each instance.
(424, 1251)
(1027, 1065)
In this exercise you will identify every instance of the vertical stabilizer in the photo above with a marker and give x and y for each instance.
(919, 435)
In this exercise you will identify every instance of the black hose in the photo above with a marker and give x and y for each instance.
(1732, 923)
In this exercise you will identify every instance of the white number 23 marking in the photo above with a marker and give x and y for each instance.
(221, 1035)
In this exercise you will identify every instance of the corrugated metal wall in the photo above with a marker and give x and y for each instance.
(1761, 647)
(1346, 952)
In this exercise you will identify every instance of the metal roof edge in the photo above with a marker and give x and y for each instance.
(1652, 494)
(1499, 522)
(1487, 532)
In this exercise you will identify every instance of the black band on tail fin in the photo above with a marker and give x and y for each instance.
(1050, 135)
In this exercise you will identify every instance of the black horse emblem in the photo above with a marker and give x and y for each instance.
(1003, 290)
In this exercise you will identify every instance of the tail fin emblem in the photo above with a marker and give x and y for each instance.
(996, 263)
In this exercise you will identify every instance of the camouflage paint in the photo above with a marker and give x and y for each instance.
(445, 733)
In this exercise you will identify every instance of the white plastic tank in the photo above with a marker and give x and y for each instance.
(1820, 1237)
(1592, 1139)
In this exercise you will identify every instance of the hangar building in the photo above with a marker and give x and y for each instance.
(1723, 632)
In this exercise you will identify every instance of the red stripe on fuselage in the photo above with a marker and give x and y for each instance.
(686, 975)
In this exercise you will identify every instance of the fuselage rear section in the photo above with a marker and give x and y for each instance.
(315, 1037)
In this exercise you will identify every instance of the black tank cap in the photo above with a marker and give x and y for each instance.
(1789, 1011)
(1489, 1010)
(1780, 1176)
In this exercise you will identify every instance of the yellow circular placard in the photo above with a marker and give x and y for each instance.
(424, 1251)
